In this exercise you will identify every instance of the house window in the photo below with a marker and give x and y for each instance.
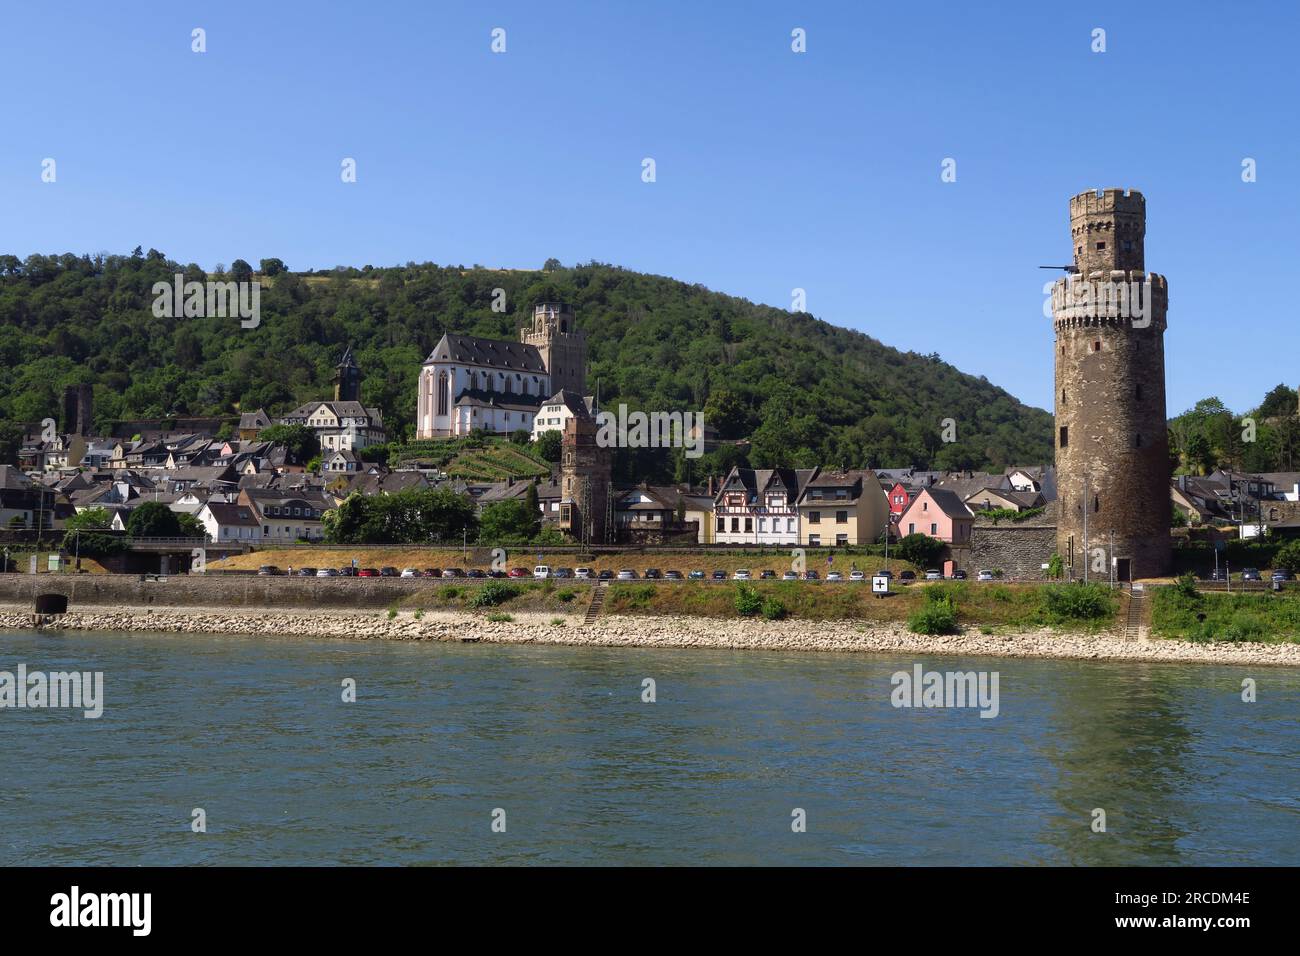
(814, 517)
(841, 539)
(841, 517)
(934, 528)
(1065, 436)
(911, 528)
(722, 524)
(815, 540)
(762, 524)
(735, 525)
(789, 524)
(749, 525)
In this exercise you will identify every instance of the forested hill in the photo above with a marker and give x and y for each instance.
(805, 392)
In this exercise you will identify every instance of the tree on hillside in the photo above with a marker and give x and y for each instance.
(1281, 401)
(549, 444)
(507, 522)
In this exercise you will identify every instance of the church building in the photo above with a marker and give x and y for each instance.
(469, 383)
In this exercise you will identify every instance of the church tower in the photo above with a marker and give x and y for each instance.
(347, 379)
(1112, 447)
(562, 344)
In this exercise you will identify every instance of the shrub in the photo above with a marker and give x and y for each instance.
(566, 595)
(773, 610)
(494, 593)
(920, 549)
(419, 613)
(449, 593)
(557, 622)
(748, 603)
(938, 616)
(500, 618)
(391, 614)
(1186, 585)
(1288, 557)
(1077, 602)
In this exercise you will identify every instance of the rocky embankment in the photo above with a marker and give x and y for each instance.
(659, 632)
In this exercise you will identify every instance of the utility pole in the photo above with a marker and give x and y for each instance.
(1085, 527)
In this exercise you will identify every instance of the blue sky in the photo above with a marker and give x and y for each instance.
(775, 170)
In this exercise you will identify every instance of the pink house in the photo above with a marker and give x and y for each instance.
(940, 514)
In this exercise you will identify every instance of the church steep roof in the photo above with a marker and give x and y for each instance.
(493, 353)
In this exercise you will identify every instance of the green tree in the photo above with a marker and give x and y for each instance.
(153, 519)
(300, 441)
(507, 522)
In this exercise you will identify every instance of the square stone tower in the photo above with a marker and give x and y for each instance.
(1112, 447)
(562, 344)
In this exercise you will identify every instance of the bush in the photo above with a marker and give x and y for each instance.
(1186, 585)
(500, 618)
(1077, 602)
(748, 603)
(920, 549)
(1288, 557)
(494, 593)
(449, 593)
(937, 616)
(557, 622)
(566, 595)
(773, 610)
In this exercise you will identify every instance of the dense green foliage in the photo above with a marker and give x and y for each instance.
(748, 601)
(1077, 602)
(1225, 617)
(508, 523)
(494, 593)
(920, 549)
(805, 391)
(153, 519)
(87, 535)
(936, 615)
(1209, 436)
(414, 516)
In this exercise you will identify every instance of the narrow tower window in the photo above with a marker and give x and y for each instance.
(1065, 435)
(1096, 346)
(1096, 503)
(1137, 391)
(1137, 440)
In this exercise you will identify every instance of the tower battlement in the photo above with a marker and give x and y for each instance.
(1108, 229)
(1101, 201)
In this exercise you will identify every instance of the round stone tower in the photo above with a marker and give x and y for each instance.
(1112, 448)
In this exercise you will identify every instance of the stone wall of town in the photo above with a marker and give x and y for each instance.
(1019, 551)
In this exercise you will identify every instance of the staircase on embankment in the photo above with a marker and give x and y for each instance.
(597, 602)
(1136, 609)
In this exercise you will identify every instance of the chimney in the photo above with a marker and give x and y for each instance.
(712, 492)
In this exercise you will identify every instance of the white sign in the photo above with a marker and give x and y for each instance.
(879, 584)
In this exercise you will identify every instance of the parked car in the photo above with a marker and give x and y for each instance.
(562, 573)
(653, 574)
(697, 575)
(327, 573)
(626, 574)
(672, 575)
(475, 573)
(368, 573)
(541, 571)
(496, 574)
(347, 571)
(518, 573)
(584, 573)
(766, 574)
(834, 576)
(1250, 574)
(719, 575)
(857, 576)
(432, 573)
(810, 576)
(958, 575)
(790, 576)
(1282, 574)
(1218, 574)
(410, 573)
(885, 573)
(388, 572)
(306, 572)
(268, 570)
(933, 575)
(742, 574)
(605, 575)
(452, 573)
(907, 576)
(984, 576)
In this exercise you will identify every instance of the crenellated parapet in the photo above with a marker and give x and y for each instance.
(1119, 297)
